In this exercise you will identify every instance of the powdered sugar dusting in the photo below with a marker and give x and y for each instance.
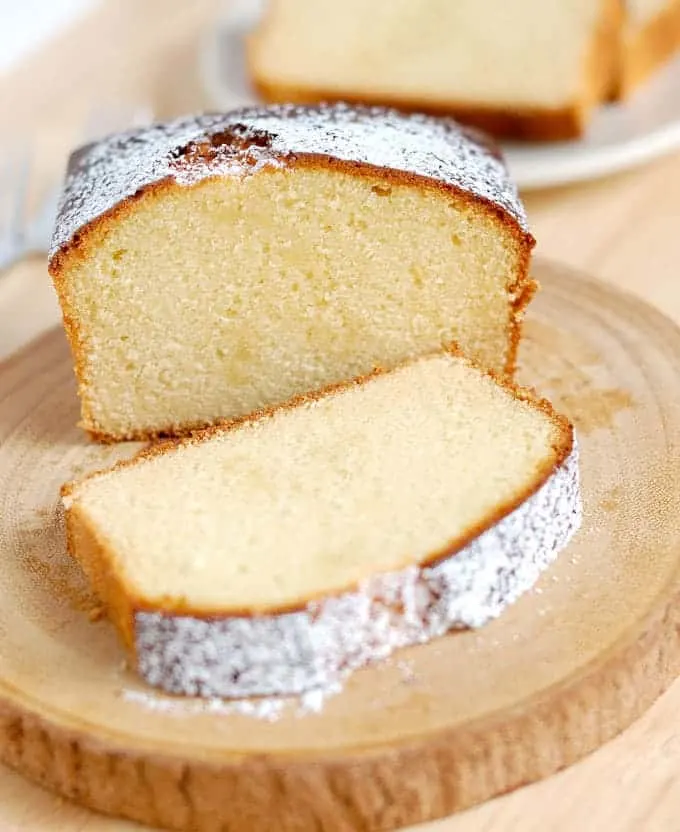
(316, 648)
(242, 142)
(267, 708)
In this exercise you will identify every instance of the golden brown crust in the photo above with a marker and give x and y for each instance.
(520, 290)
(99, 560)
(99, 564)
(602, 60)
(541, 124)
(642, 53)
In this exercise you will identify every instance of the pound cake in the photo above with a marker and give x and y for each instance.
(217, 265)
(276, 554)
(527, 69)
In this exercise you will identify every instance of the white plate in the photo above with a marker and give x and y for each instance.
(620, 135)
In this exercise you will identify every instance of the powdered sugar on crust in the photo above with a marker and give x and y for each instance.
(317, 647)
(102, 175)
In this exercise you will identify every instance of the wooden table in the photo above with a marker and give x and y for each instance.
(625, 230)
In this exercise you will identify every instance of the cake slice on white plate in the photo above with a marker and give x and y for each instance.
(277, 554)
(523, 69)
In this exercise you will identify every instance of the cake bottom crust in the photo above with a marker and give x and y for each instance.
(536, 124)
(291, 653)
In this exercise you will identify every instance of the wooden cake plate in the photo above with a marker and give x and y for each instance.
(433, 730)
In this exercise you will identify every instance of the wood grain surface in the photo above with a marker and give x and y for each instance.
(435, 730)
(621, 229)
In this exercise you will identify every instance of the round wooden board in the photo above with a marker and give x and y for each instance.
(429, 732)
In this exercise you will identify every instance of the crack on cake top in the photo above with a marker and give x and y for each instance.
(238, 138)
(190, 149)
(224, 148)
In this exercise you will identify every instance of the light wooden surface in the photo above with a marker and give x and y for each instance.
(623, 230)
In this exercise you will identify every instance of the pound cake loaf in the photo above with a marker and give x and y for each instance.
(277, 554)
(526, 69)
(213, 266)
(650, 36)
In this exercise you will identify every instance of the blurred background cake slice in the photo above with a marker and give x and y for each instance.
(527, 69)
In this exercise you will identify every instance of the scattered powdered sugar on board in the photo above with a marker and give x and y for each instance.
(266, 708)
(187, 150)
(408, 676)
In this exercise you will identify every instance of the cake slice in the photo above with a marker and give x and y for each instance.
(650, 36)
(277, 554)
(216, 265)
(528, 69)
